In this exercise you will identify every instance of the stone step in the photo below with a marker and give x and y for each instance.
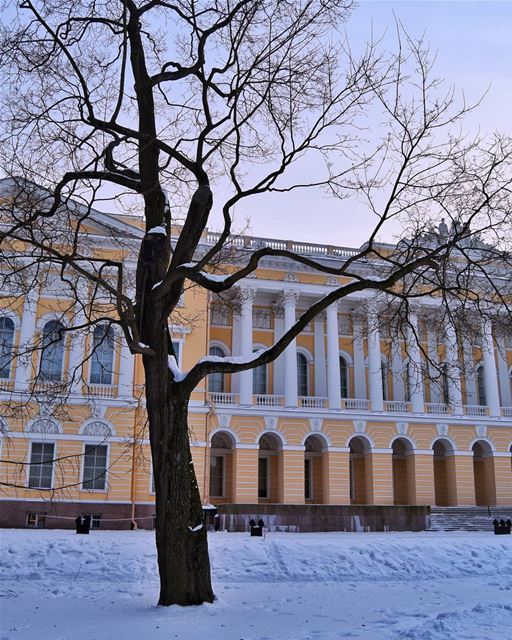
(466, 518)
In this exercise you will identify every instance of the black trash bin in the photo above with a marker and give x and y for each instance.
(83, 524)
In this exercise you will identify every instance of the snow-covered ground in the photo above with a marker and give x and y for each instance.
(419, 586)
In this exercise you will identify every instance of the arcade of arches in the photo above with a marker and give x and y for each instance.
(270, 471)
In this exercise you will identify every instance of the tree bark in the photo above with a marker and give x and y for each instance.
(181, 538)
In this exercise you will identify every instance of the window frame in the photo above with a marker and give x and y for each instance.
(31, 465)
(82, 470)
(96, 350)
(4, 318)
(53, 345)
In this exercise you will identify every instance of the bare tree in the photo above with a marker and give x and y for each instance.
(149, 103)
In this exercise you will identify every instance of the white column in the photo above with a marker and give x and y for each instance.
(319, 345)
(246, 298)
(77, 354)
(453, 368)
(374, 362)
(490, 371)
(506, 396)
(279, 375)
(26, 342)
(397, 367)
(126, 371)
(289, 300)
(469, 370)
(415, 367)
(333, 358)
(359, 368)
(433, 371)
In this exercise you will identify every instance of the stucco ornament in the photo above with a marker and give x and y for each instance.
(43, 425)
(97, 428)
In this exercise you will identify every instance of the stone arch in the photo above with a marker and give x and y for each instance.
(368, 442)
(275, 434)
(483, 472)
(232, 435)
(326, 441)
(43, 425)
(444, 471)
(403, 470)
(97, 428)
(9, 313)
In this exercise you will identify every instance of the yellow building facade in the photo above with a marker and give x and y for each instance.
(347, 417)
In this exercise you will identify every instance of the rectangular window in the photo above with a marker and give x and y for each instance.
(95, 467)
(308, 484)
(177, 350)
(95, 519)
(36, 520)
(102, 357)
(217, 476)
(263, 478)
(41, 465)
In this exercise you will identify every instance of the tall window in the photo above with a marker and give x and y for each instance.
(216, 381)
(41, 465)
(6, 344)
(343, 377)
(217, 476)
(480, 385)
(263, 467)
(259, 380)
(444, 384)
(384, 374)
(52, 354)
(407, 381)
(302, 375)
(308, 479)
(102, 359)
(95, 467)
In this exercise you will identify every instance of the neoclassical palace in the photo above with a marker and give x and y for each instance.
(348, 414)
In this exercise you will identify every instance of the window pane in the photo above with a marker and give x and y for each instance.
(343, 377)
(480, 379)
(95, 467)
(52, 352)
(6, 343)
(216, 380)
(262, 477)
(217, 476)
(302, 375)
(41, 465)
(102, 358)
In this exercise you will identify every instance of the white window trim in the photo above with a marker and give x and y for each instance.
(29, 465)
(95, 443)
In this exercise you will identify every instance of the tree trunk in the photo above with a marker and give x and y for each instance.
(181, 539)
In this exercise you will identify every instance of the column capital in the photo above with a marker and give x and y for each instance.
(247, 294)
(290, 297)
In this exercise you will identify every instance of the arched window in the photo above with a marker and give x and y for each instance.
(480, 385)
(52, 354)
(302, 375)
(343, 377)
(102, 358)
(6, 344)
(259, 379)
(216, 381)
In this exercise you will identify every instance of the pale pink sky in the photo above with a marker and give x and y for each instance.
(473, 43)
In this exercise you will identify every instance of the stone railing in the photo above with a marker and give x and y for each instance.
(475, 410)
(312, 402)
(355, 404)
(507, 412)
(439, 408)
(303, 248)
(265, 400)
(100, 390)
(396, 406)
(217, 397)
(6, 385)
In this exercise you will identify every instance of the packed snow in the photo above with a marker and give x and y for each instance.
(320, 586)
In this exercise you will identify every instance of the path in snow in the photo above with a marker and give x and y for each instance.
(426, 586)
